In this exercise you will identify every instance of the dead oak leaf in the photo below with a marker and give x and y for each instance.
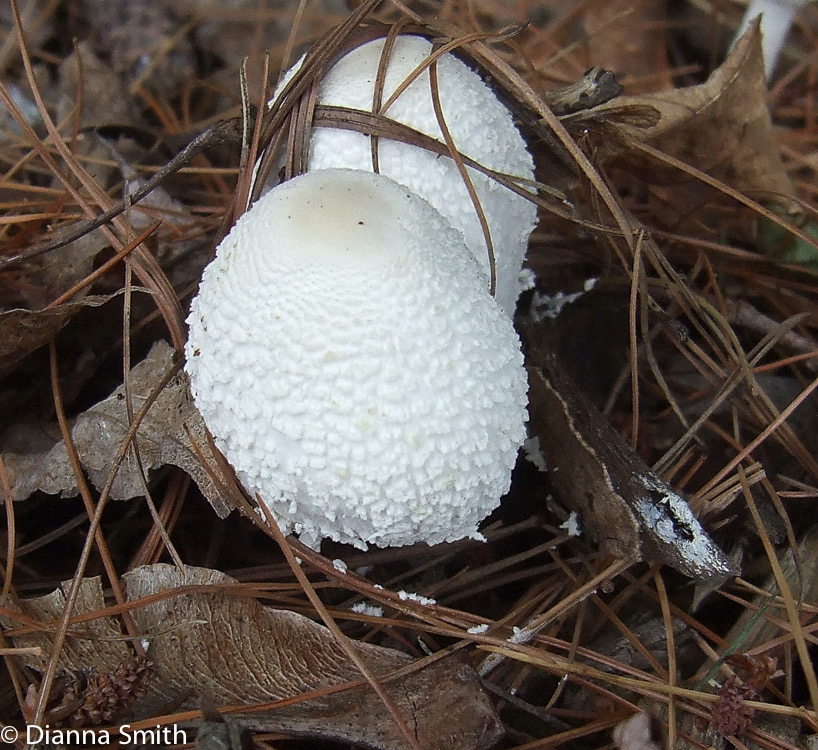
(721, 127)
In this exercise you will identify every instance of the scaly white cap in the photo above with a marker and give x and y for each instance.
(351, 365)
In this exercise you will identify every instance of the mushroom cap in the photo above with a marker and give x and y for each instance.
(352, 367)
(481, 127)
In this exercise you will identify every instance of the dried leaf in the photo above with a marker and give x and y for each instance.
(91, 645)
(626, 508)
(721, 127)
(234, 651)
(23, 331)
(171, 433)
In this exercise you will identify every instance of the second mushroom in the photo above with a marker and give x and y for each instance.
(478, 125)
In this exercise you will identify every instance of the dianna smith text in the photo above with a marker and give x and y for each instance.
(168, 735)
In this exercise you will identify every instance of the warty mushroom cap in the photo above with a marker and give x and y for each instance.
(481, 127)
(352, 367)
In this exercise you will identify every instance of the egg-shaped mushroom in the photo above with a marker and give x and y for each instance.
(351, 365)
(481, 127)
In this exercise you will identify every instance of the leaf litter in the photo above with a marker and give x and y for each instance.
(698, 348)
(721, 127)
(171, 433)
(207, 639)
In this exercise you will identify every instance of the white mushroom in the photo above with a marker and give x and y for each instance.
(481, 127)
(351, 365)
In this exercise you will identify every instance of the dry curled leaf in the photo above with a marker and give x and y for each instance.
(98, 674)
(85, 72)
(721, 127)
(172, 432)
(229, 648)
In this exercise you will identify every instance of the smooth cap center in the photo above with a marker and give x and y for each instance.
(345, 216)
